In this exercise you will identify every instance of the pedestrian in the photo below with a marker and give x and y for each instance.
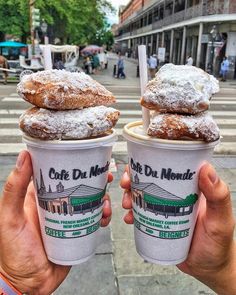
(95, 62)
(152, 65)
(4, 65)
(189, 61)
(224, 68)
(59, 65)
(101, 56)
(106, 59)
(87, 65)
(120, 66)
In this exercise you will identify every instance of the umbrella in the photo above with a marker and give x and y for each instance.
(91, 49)
(12, 44)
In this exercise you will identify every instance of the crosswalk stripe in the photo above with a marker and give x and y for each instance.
(10, 132)
(9, 121)
(11, 149)
(11, 112)
(13, 99)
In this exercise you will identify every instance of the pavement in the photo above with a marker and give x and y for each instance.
(117, 269)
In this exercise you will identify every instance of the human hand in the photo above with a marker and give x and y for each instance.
(23, 260)
(212, 256)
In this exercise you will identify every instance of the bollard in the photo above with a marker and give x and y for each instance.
(137, 73)
(114, 71)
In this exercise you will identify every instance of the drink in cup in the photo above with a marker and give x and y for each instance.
(70, 179)
(165, 194)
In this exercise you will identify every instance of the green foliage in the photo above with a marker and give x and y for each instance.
(73, 21)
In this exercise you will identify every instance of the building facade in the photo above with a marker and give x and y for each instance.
(175, 29)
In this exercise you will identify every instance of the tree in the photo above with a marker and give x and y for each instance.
(73, 21)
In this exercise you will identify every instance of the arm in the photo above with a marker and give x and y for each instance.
(212, 256)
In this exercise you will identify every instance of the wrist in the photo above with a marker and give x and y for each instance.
(6, 288)
(222, 280)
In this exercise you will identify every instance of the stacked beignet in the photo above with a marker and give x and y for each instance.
(181, 95)
(67, 106)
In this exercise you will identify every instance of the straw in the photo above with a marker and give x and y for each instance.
(142, 56)
(47, 57)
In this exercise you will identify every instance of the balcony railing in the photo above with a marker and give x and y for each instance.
(202, 9)
(180, 16)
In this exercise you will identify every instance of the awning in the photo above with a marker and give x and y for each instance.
(12, 44)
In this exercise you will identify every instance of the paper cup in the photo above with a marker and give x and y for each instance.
(165, 195)
(70, 179)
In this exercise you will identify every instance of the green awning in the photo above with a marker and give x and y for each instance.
(188, 201)
(86, 199)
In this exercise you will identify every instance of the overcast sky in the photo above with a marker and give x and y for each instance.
(116, 3)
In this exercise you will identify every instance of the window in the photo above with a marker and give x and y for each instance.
(149, 18)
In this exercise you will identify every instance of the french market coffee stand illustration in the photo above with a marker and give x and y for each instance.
(157, 200)
(75, 200)
(154, 206)
(82, 201)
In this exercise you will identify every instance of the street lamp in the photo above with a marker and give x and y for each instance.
(213, 33)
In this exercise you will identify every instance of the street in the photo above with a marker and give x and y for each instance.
(116, 268)
(127, 92)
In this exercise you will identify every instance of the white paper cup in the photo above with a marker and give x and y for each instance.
(70, 178)
(165, 193)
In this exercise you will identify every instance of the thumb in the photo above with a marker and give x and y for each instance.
(218, 200)
(16, 185)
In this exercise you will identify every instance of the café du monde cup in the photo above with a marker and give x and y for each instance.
(165, 195)
(70, 180)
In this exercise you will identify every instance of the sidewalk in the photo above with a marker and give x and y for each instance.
(116, 269)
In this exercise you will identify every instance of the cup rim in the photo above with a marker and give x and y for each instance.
(164, 143)
(107, 140)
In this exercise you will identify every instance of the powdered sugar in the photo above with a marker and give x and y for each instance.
(181, 88)
(70, 124)
(62, 90)
(62, 79)
(201, 126)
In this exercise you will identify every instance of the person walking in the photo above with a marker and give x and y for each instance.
(224, 68)
(4, 65)
(120, 66)
(95, 62)
(152, 65)
(189, 61)
(105, 59)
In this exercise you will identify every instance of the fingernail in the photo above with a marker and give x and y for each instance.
(20, 161)
(213, 176)
(106, 204)
(126, 174)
